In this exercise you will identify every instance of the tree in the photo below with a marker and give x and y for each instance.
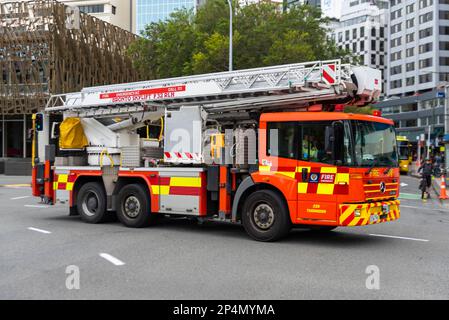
(188, 43)
(360, 110)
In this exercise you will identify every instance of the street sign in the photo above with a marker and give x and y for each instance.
(441, 94)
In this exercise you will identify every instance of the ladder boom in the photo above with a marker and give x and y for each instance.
(302, 81)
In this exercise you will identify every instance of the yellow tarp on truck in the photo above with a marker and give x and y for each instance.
(71, 134)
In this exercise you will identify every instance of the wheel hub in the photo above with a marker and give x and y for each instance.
(263, 216)
(90, 204)
(132, 207)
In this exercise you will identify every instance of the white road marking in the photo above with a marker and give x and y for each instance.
(403, 184)
(39, 230)
(36, 206)
(112, 259)
(19, 198)
(396, 237)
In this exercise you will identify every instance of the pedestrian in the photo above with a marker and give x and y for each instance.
(426, 170)
(438, 159)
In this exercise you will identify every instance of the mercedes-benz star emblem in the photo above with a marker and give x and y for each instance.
(383, 187)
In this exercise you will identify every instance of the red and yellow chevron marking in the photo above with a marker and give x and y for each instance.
(322, 180)
(185, 186)
(64, 182)
(360, 214)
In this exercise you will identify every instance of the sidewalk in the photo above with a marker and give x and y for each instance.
(14, 180)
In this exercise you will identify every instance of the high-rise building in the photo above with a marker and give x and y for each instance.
(419, 46)
(311, 2)
(246, 2)
(330, 8)
(148, 11)
(46, 49)
(362, 29)
(333, 8)
(418, 68)
(116, 12)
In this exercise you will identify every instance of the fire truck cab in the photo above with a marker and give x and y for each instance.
(262, 147)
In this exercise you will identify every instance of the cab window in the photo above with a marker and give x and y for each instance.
(313, 143)
(282, 139)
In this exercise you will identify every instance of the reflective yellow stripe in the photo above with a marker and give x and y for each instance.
(185, 182)
(63, 178)
(374, 191)
(69, 186)
(354, 222)
(325, 188)
(160, 190)
(287, 174)
(302, 187)
(329, 170)
(342, 178)
(164, 190)
(347, 213)
(264, 168)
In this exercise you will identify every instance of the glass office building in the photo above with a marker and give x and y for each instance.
(148, 11)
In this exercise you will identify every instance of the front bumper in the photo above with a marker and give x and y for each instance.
(363, 214)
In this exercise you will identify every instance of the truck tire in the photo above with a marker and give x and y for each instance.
(91, 203)
(133, 207)
(265, 216)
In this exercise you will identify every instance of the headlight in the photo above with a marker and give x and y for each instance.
(357, 213)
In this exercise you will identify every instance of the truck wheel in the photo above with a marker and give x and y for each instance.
(265, 216)
(133, 207)
(91, 203)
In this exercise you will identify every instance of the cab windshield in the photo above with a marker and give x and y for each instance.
(374, 144)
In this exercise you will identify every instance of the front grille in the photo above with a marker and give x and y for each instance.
(373, 190)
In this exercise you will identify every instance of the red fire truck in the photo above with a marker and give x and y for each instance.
(268, 148)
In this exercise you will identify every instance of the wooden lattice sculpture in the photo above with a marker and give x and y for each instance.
(48, 48)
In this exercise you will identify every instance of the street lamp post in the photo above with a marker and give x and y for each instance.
(434, 122)
(230, 35)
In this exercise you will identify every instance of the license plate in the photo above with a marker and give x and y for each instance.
(374, 218)
(385, 209)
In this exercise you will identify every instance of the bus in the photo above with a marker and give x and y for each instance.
(405, 154)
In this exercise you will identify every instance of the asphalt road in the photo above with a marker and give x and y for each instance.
(181, 260)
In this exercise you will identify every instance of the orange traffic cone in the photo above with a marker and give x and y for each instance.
(443, 194)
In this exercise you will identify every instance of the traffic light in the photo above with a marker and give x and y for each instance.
(39, 122)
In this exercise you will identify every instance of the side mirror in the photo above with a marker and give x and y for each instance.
(330, 139)
(305, 174)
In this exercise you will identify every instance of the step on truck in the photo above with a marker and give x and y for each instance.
(270, 148)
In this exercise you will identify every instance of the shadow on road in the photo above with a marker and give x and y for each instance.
(337, 238)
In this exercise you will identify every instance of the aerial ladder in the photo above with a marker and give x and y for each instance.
(203, 163)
